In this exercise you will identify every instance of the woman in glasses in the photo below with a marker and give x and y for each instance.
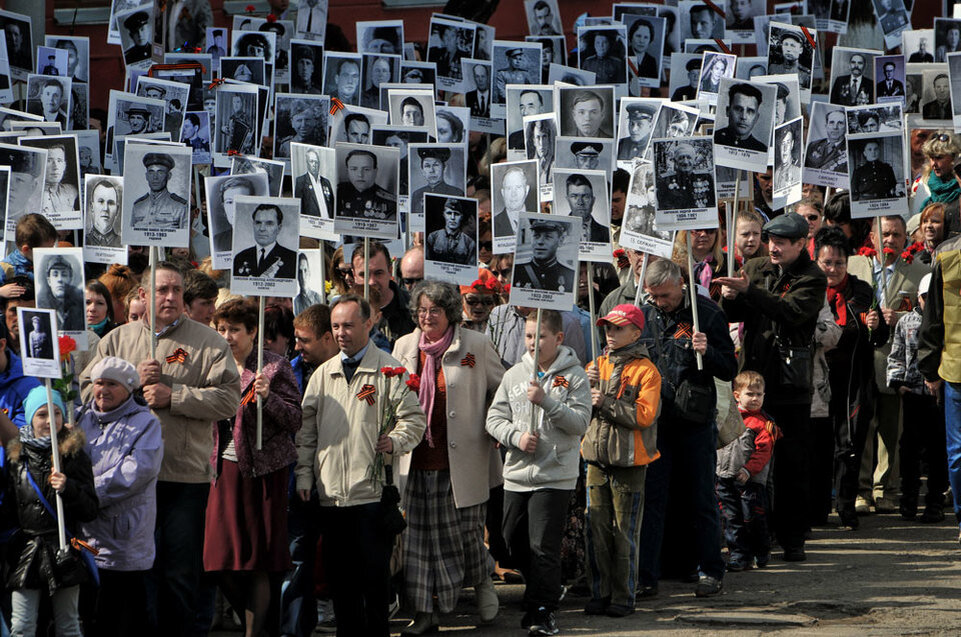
(479, 298)
(708, 255)
(450, 473)
(341, 275)
(939, 181)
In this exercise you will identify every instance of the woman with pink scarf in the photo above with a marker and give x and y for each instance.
(450, 473)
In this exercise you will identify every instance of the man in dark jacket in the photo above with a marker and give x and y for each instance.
(687, 438)
(778, 298)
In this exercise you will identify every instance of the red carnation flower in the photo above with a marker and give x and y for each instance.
(889, 251)
(868, 252)
(387, 371)
(413, 383)
(249, 8)
(271, 17)
(67, 345)
(399, 371)
(492, 284)
(507, 288)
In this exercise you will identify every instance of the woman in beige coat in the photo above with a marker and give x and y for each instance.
(450, 473)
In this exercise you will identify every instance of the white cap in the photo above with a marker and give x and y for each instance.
(924, 284)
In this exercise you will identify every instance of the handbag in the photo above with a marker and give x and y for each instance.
(392, 522)
(795, 366)
(76, 548)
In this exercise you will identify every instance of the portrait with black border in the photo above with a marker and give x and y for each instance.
(586, 111)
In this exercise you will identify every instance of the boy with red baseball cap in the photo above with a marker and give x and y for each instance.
(619, 444)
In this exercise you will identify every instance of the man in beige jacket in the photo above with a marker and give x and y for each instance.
(337, 446)
(192, 382)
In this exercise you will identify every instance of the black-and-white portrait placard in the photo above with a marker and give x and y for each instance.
(673, 120)
(684, 183)
(645, 51)
(380, 36)
(540, 142)
(936, 93)
(342, 76)
(262, 44)
(743, 124)
(639, 229)
(88, 148)
(250, 165)
(826, 154)
(412, 107)
(60, 202)
(28, 169)
(237, 122)
(478, 95)
(635, 123)
(580, 153)
(602, 50)
(18, 33)
(524, 101)
(195, 133)
(876, 168)
(379, 69)
(307, 67)
(749, 67)
(265, 240)
(39, 347)
(49, 96)
(514, 63)
(58, 276)
(103, 201)
(543, 17)
(309, 167)
(6, 83)
(513, 192)
(221, 193)
(434, 168)
(700, 21)
(243, 68)
(156, 183)
(51, 61)
(875, 118)
(129, 114)
(788, 143)
(450, 244)
(545, 261)
(582, 194)
(569, 75)
(449, 41)
(791, 51)
(739, 21)
(310, 279)
(714, 67)
(947, 38)
(585, 111)
(787, 101)
(35, 129)
(136, 29)
(299, 119)
(893, 18)
(852, 76)
(918, 45)
(889, 71)
(954, 75)
(366, 196)
(352, 124)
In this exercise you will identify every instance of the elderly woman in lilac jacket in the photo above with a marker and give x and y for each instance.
(125, 446)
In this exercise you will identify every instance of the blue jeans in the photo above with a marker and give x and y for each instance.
(66, 611)
(744, 509)
(172, 585)
(952, 428)
(685, 472)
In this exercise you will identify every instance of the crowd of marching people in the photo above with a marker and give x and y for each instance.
(390, 444)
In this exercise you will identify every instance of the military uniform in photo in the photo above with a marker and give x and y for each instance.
(160, 210)
(94, 238)
(40, 345)
(372, 203)
(681, 192)
(727, 136)
(827, 155)
(552, 275)
(873, 180)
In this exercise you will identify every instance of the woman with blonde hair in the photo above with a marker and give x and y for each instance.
(707, 255)
(938, 182)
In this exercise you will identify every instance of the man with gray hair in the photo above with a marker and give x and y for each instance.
(686, 429)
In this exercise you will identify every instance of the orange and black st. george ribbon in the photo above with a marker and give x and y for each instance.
(560, 381)
(179, 356)
(367, 393)
(468, 361)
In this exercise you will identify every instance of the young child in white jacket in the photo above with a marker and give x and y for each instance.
(541, 468)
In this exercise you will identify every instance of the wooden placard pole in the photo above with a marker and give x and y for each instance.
(591, 310)
(260, 368)
(153, 302)
(367, 268)
(537, 355)
(882, 258)
(730, 222)
(639, 288)
(693, 291)
(55, 449)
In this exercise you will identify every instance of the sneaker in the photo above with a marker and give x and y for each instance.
(646, 592)
(707, 586)
(544, 623)
(932, 514)
(597, 606)
(737, 565)
(619, 610)
(862, 506)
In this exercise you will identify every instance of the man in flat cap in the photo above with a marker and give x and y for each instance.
(689, 90)
(778, 298)
(515, 73)
(155, 92)
(608, 67)
(58, 291)
(544, 271)
(587, 155)
(451, 244)
(791, 47)
(580, 197)
(159, 209)
(313, 189)
(267, 259)
(744, 100)
(138, 118)
(139, 29)
(308, 122)
(685, 189)
(433, 163)
(360, 196)
(640, 121)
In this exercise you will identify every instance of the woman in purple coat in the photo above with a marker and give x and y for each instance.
(126, 448)
(246, 533)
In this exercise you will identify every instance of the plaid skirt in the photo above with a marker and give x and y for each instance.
(444, 548)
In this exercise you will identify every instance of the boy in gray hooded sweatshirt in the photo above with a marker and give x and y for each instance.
(541, 467)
